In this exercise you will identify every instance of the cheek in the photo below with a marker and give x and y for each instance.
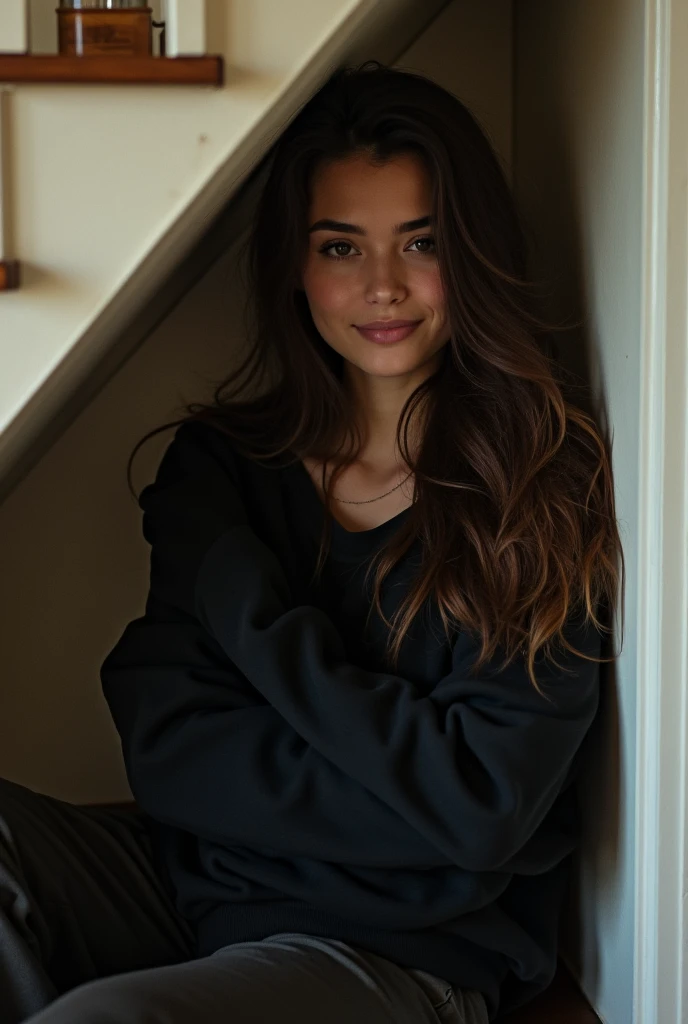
(327, 292)
(429, 290)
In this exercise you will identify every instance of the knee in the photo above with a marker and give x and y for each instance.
(14, 800)
(104, 1001)
(13, 795)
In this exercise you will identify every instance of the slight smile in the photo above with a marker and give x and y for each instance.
(385, 335)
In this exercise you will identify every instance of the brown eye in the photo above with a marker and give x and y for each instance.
(332, 245)
(425, 238)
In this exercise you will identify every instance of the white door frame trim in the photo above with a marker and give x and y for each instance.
(661, 838)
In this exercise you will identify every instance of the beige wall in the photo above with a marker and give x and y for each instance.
(578, 174)
(74, 560)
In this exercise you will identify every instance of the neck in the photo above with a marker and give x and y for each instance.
(377, 405)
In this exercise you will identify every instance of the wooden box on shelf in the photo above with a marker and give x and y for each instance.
(104, 32)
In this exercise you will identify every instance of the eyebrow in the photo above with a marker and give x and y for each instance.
(326, 224)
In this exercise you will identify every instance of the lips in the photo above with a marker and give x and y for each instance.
(386, 325)
(384, 332)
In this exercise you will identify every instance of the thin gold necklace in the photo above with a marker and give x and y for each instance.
(366, 501)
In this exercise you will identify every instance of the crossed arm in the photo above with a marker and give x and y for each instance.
(242, 720)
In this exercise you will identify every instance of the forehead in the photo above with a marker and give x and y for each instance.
(354, 183)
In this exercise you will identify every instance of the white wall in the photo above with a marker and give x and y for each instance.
(578, 172)
(74, 560)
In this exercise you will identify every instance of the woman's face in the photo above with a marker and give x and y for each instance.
(364, 269)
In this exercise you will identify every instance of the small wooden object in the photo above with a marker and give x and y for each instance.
(105, 31)
(9, 268)
(9, 275)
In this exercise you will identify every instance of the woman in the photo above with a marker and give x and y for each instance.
(341, 714)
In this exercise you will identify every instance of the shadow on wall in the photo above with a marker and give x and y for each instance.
(75, 563)
(599, 857)
(570, 144)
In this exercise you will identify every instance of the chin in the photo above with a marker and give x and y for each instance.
(390, 364)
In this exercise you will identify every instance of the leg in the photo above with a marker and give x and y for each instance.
(290, 978)
(79, 900)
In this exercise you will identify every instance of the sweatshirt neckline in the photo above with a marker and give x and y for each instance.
(345, 542)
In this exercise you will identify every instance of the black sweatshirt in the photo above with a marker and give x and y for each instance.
(293, 784)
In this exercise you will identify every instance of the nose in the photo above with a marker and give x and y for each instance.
(385, 281)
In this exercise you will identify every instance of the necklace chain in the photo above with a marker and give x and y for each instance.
(366, 501)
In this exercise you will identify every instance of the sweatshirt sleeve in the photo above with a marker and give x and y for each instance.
(474, 766)
(205, 751)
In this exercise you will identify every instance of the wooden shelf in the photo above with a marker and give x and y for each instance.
(20, 67)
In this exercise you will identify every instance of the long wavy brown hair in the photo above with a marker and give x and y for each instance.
(513, 494)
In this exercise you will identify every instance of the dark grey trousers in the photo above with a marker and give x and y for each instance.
(89, 935)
